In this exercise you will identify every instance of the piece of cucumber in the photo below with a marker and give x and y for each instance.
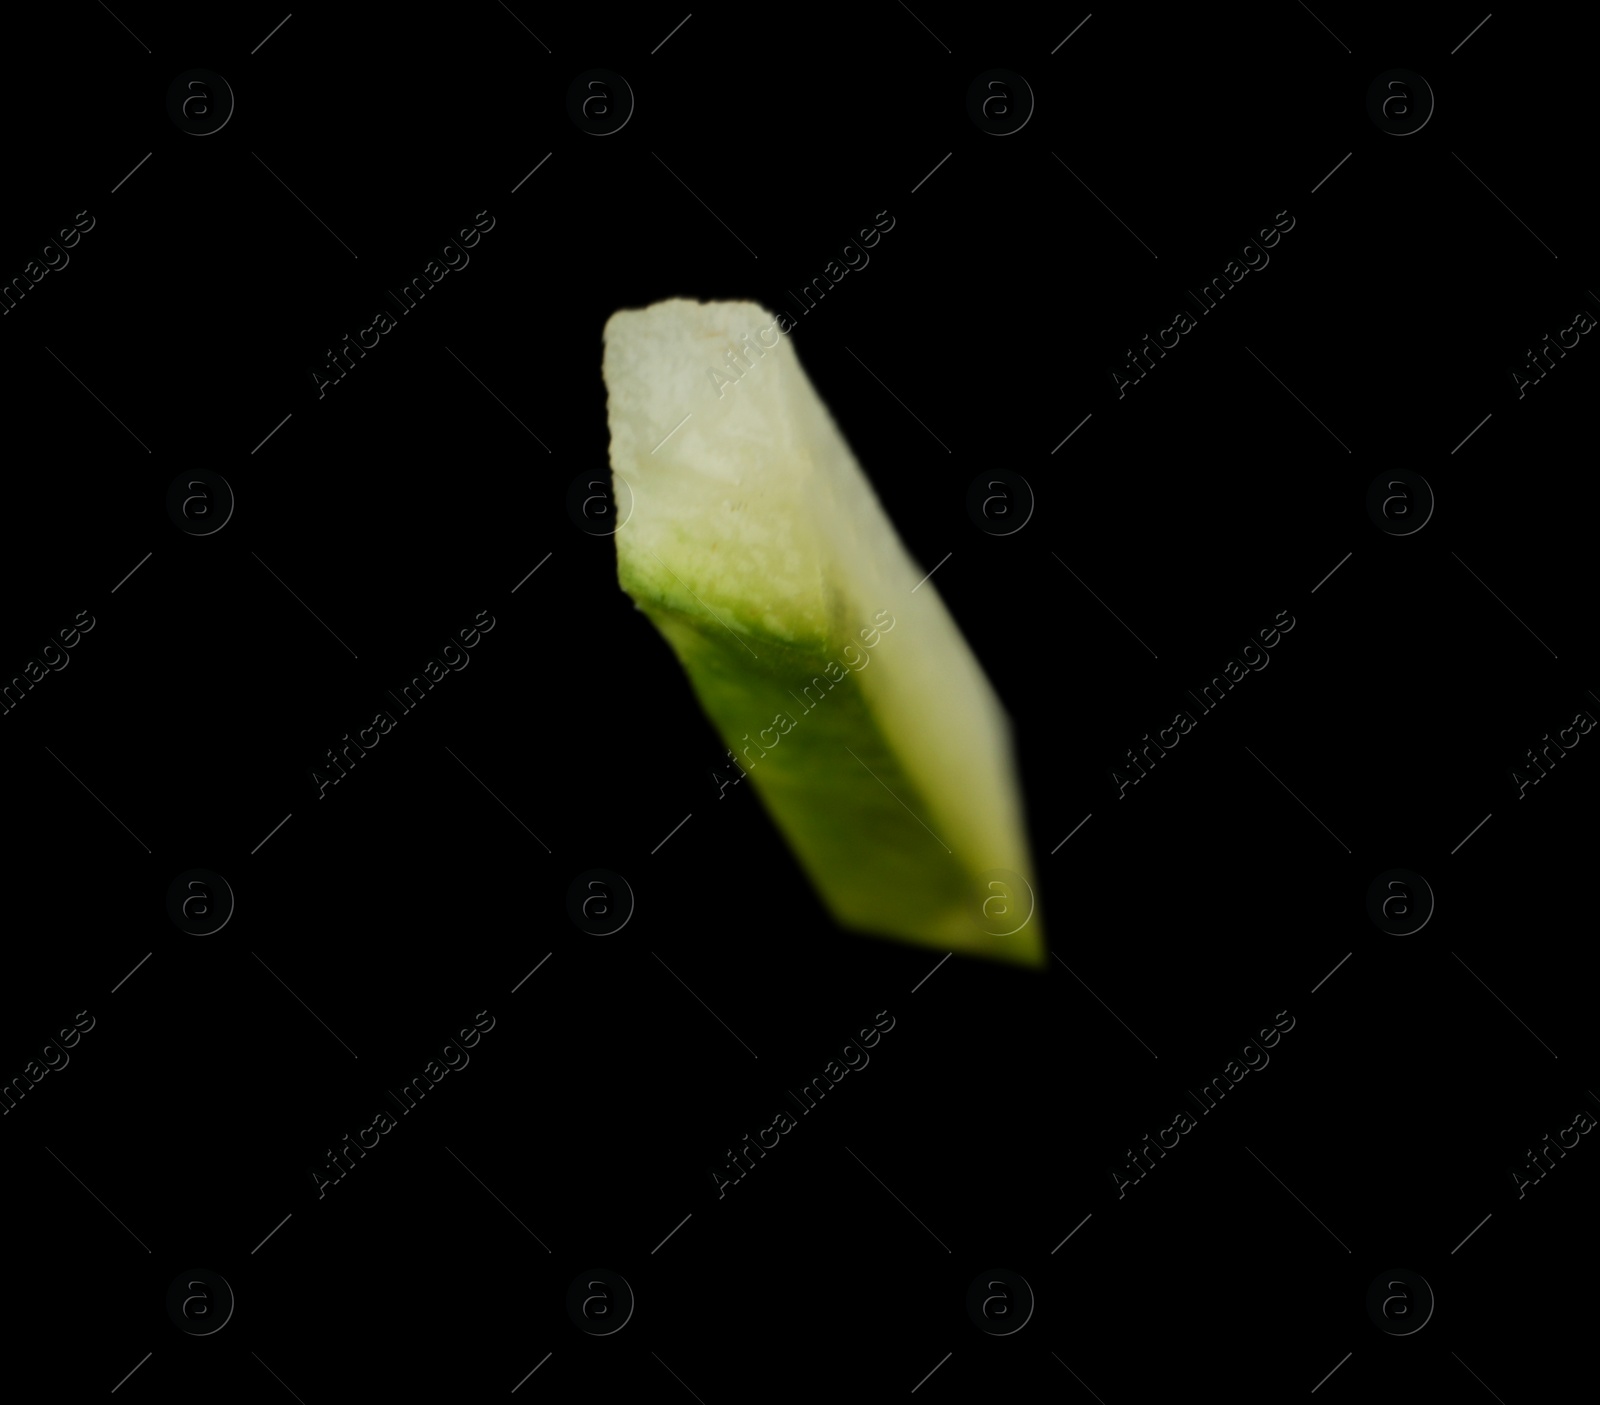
(755, 544)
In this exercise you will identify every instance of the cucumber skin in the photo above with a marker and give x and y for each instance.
(875, 867)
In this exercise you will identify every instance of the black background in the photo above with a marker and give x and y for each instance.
(405, 500)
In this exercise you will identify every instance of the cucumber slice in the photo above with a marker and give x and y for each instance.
(829, 665)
